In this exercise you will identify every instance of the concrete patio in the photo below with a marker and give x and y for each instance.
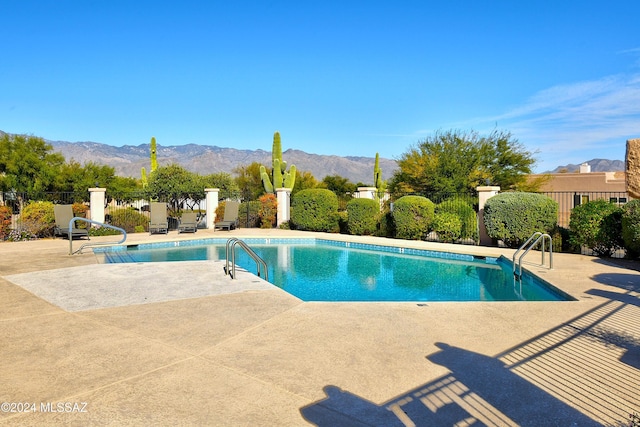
(84, 343)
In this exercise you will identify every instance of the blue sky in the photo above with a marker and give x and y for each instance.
(349, 78)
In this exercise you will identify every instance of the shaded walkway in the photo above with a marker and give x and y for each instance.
(583, 372)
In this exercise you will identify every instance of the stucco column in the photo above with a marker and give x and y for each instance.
(212, 204)
(367, 193)
(284, 205)
(484, 194)
(96, 204)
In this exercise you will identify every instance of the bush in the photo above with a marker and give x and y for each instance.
(315, 209)
(514, 217)
(467, 216)
(412, 216)
(448, 226)
(5, 222)
(598, 226)
(268, 210)
(631, 228)
(38, 219)
(362, 216)
(129, 219)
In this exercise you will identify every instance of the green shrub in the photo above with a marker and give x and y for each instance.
(129, 219)
(386, 226)
(412, 216)
(249, 214)
(362, 216)
(5, 222)
(315, 209)
(37, 218)
(631, 228)
(448, 226)
(467, 216)
(598, 226)
(514, 217)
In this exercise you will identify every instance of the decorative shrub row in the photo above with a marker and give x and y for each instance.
(514, 217)
(5, 222)
(412, 216)
(130, 220)
(362, 216)
(315, 209)
(604, 227)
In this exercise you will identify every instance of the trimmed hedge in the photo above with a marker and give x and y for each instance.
(448, 226)
(466, 213)
(315, 209)
(514, 217)
(598, 226)
(412, 216)
(631, 228)
(362, 216)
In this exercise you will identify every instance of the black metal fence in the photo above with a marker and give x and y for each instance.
(567, 200)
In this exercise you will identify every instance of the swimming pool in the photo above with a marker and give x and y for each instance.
(327, 270)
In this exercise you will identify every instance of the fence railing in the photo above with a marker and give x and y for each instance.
(567, 200)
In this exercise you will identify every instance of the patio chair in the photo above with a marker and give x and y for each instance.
(158, 222)
(64, 214)
(188, 222)
(230, 219)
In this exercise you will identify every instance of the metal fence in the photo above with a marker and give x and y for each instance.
(567, 200)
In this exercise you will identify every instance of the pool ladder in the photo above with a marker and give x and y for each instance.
(530, 244)
(261, 266)
(93, 244)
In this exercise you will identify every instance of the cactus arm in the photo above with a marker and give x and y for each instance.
(290, 178)
(266, 182)
(143, 177)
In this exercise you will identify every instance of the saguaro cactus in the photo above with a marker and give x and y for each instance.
(281, 178)
(378, 182)
(154, 163)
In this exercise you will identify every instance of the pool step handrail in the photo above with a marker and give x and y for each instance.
(261, 266)
(530, 244)
(93, 244)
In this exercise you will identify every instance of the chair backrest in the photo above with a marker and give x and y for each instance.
(189, 217)
(231, 211)
(158, 212)
(63, 214)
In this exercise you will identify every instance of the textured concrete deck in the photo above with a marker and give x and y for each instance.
(198, 350)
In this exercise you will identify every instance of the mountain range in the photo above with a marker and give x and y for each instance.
(129, 160)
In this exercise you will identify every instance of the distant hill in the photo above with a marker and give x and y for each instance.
(597, 165)
(204, 159)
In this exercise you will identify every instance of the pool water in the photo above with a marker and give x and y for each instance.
(324, 270)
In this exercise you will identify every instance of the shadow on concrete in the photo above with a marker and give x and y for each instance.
(583, 372)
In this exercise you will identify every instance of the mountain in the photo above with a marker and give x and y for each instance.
(597, 165)
(204, 159)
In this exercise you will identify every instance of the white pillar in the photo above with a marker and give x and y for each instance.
(484, 194)
(212, 204)
(367, 193)
(284, 205)
(96, 204)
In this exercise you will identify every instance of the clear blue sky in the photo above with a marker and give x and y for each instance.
(334, 77)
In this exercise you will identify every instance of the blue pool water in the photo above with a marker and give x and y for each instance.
(325, 270)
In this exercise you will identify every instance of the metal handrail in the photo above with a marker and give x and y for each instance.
(260, 264)
(539, 236)
(92, 244)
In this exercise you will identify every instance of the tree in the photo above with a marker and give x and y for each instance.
(173, 184)
(249, 181)
(78, 179)
(225, 182)
(27, 164)
(304, 181)
(458, 162)
(342, 187)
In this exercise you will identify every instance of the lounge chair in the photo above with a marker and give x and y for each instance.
(64, 214)
(230, 219)
(188, 222)
(158, 222)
